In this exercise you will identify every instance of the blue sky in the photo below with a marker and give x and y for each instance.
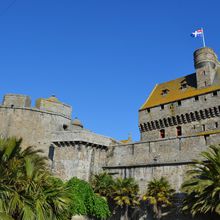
(103, 57)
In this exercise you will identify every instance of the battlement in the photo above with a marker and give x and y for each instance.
(51, 104)
(16, 100)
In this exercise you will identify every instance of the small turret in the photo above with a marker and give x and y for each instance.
(17, 101)
(52, 104)
(206, 64)
(77, 123)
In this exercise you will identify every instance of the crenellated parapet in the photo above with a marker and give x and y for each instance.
(176, 120)
(45, 105)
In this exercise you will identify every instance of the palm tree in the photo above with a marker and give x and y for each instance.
(120, 193)
(203, 184)
(159, 194)
(125, 194)
(27, 189)
(102, 184)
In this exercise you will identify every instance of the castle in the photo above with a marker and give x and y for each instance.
(178, 121)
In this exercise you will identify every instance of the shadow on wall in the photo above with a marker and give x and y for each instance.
(144, 212)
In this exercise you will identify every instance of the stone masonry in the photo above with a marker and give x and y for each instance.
(179, 119)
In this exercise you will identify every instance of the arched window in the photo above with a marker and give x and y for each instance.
(178, 130)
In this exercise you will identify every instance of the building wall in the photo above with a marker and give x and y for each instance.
(169, 157)
(78, 159)
(33, 125)
(192, 115)
(79, 153)
(72, 150)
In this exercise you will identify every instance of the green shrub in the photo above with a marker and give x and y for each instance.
(85, 201)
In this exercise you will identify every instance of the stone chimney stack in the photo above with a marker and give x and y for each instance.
(206, 63)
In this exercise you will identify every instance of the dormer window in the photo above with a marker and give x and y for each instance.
(183, 84)
(164, 92)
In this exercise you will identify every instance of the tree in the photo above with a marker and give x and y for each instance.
(103, 184)
(159, 194)
(125, 193)
(120, 193)
(85, 202)
(27, 189)
(203, 185)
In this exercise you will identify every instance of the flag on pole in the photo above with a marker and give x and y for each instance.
(197, 33)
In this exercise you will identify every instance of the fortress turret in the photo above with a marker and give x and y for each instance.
(17, 101)
(206, 64)
(52, 104)
(77, 124)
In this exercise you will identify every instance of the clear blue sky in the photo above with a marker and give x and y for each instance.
(103, 57)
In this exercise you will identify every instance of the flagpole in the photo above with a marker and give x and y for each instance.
(203, 37)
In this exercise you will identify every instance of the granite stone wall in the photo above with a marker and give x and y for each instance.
(194, 115)
(169, 157)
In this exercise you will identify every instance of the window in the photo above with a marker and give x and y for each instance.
(162, 107)
(203, 127)
(179, 103)
(65, 127)
(179, 131)
(148, 110)
(214, 93)
(216, 124)
(183, 84)
(162, 133)
(164, 92)
(196, 98)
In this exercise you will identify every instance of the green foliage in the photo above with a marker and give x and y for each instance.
(203, 184)
(100, 208)
(85, 201)
(120, 193)
(159, 194)
(103, 184)
(27, 189)
(125, 192)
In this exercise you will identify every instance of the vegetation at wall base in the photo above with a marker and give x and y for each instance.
(28, 190)
(159, 195)
(85, 202)
(202, 187)
(120, 193)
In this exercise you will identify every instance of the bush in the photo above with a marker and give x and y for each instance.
(85, 201)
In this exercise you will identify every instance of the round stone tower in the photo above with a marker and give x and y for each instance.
(206, 64)
(203, 56)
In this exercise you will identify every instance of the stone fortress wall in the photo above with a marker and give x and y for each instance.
(33, 124)
(162, 151)
(72, 150)
(196, 114)
(194, 107)
(169, 157)
(179, 120)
